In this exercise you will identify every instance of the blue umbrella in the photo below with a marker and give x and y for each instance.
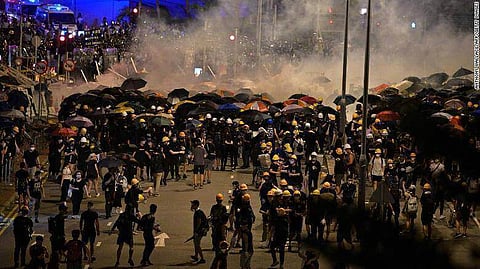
(228, 107)
(476, 113)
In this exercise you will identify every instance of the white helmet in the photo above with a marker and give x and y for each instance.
(313, 154)
(83, 140)
(229, 121)
(153, 108)
(369, 135)
(347, 146)
(214, 119)
(208, 116)
(307, 125)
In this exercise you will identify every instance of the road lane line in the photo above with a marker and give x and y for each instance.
(109, 224)
(9, 216)
(99, 243)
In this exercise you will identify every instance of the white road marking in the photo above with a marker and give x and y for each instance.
(99, 243)
(109, 224)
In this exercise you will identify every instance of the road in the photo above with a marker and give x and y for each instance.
(175, 218)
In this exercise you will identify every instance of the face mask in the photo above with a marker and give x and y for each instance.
(32, 149)
(378, 155)
(60, 141)
(390, 166)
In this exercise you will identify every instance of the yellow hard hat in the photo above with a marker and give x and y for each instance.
(269, 144)
(355, 116)
(286, 193)
(243, 187)
(413, 154)
(71, 139)
(377, 120)
(283, 182)
(16, 129)
(316, 192)
(378, 151)
(271, 193)
(427, 186)
(246, 197)
(320, 99)
(339, 151)
(83, 131)
(134, 181)
(293, 157)
(294, 123)
(241, 122)
(219, 196)
(263, 145)
(389, 161)
(165, 139)
(74, 128)
(266, 174)
(181, 134)
(360, 121)
(297, 192)
(327, 185)
(142, 121)
(141, 198)
(275, 157)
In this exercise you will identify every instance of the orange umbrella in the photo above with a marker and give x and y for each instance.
(256, 105)
(309, 100)
(380, 88)
(388, 115)
(295, 102)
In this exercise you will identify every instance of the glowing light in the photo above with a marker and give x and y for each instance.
(135, 10)
(62, 38)
(363, 11)
(413, 25)
(330, 10)
(330, 21)
(232, 37)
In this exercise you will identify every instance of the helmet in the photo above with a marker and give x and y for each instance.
(208, 116)
(389, 161)
(320, 99)
(153, 107)
(283, 182)
(307, 125)
(355, 116)
(15, 129)
(314, 154)
(413, 154)
(378, 151)
(286, 193)
(339, 151)
(269, 121)
(347, 146)
(134, 181)
(263, 145)
(327, 185)
(142, 121)
(181, 134)
(275, 157)
(269, 144)
(243, 187)
(165, 139)
(412, 188)
(83, 140)
(219, 197)
(124, 114)
(316, 192)
(241, 122)
(297, 193)
(271, 193)
(224, 245)
(229, 121)
(266, 174)
(141, 198)
(379, 140)
(287, 132)
(246, 197)
(83, 131)
(384, 132)
(288, 149)
(71, 139)
(370, 135)
(427, 186)
(293, 157)
(294, 123)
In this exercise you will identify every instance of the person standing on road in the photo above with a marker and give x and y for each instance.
(108, 185)
(78, 187)
(21, 185)
(38, 253)
(89, 227)
(280, 234)
(200, 229)
(209, 161)
(462, 207)
(65, 183)
(74, 250)
(312, 170)
(218, 219)
(245, 219)
(22, 230)
(124, 223)
(30, 158)
(428, 209)
(147, 225)
(56, 227)
(36, 193)
(92, 173)
(199, 156)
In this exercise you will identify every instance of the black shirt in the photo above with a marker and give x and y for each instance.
(35, 186)
(31, 158)
(89, 217)
(22, 228)
(22, 180)
(148, 223)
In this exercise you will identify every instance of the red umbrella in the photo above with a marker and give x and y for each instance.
(64, 132)
(309, 100)
(388, 115)
(257, 105)
(295, 102)
(379, 88)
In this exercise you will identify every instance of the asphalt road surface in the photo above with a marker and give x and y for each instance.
(175, 219)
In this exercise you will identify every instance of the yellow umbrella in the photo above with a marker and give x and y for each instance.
(122, 104)
(165, 115)
(124, 109)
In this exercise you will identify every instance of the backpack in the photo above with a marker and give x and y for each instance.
(412, 204)
(52, 225)
(205, 227)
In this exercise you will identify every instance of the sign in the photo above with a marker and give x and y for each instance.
(36, 41)
(69, 65)
(41, 67)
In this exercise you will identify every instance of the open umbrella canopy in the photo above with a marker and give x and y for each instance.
(223, 93)
(390, 91)
(437, 78)
(297, 96)
(88, 99)
(110, 162)
(293, 108)
(201, 110)
(388, 115)
(379, 88)
(179, 93)
(245, 91)
(79, 121)
(256, 105)
(349, 99)
(309, 100)
(266, 97)
(372, 99)
(229, 107)
(125, 109)
(12, 114)
(413, 79)
(64, 131)
(160, 121)
(295, 102)
(455, 104)
(243, 97)
(442, 115)
(462, 72)
(254, 116)
(208, 104)
(458, 82)
(17, 99)
(133, 84)
(8, 80)
(165, 115)
(193, 124)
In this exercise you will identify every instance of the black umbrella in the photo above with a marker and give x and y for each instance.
(243, 97)
(208, 104)
(426, 92)
(349, 99)
(254, 116)
(437, 78)
(133, 84)
(389, 91)
(115, 91)
(326, 110)
(9, 80)
(88, 99)
(297, 96)
(110, 162)
(18, 99)
(12, 114)
(4, 106)
(180, 93)
(462, 72)
(458, 82)
(372, 99)
(200, 110)
(413, 79)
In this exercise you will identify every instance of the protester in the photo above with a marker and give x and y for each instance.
(200, 229)
(22, 230)
(39, 254)
(148, 226)
(90, 228)
(36, 193)
(75, 249)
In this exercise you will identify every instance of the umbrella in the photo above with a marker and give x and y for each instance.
(160, 121)
(9, 80)
(79, 121)
(179, 93)
(379, 88)
(293, 108)
(201, 110)
(254, 116)
(110, 162)
(462, 72)
(458, 82)
(229, 107)
(454, 104)
(108, 98)
(208, 104)
(403, 85)
(267, 97)
(193, 124)
(309, 100)
(442, 115)
(388, 115)
(326, 110)
(437, 78)
(256, 105)
(243, 97)
(414, 88)
(295, 102)
(390, 91)
(413, 79)
(17, 99)
(372, 99)
(12, 114)
(133, 84)
(229, 100)
(222, 93)
(125, 109)
(349, 99)
(165, 115)
(240, 104)
(245, 91)
(64, 131)
(177, 105)
(297, 96)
